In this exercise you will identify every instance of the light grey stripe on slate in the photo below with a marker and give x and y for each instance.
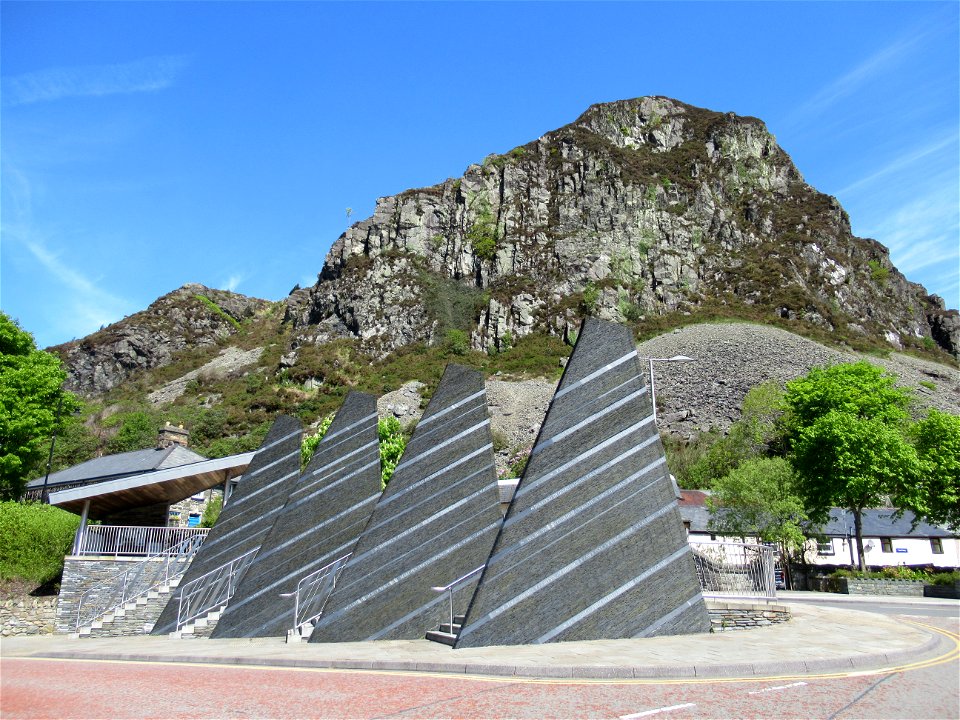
(302, 571)
(341, 431)
(587, 421)
(256, 492)
(568, 568)
(412, 571)
(444, 489)
(330, 468)
(579, 509)
(526, 487)
(576, 482)
(589, 610)
(676, 612)
(299, 501)
(440, 446)
(434, 475)
(596, 373)
(422, 523)
(453, 407)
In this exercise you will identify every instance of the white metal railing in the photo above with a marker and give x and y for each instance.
(735, 570)
(120, 540)
(136, 581)
(211, 590)
(449, 589)
(312, 593)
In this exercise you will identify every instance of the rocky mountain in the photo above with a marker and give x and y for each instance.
(191, 316)
(637, 210)
(645, 211)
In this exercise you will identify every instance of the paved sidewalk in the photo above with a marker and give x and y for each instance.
(817, 640)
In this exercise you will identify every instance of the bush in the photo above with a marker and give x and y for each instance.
(33, 540)
(212, 511)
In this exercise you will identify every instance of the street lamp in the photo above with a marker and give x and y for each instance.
(653, 392)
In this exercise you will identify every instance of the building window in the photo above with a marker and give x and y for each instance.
(936, 546)
(825, 547)
(686, 525)
(886, 544)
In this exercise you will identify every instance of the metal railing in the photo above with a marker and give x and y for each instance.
(135, 582)
(211, 590)
(312, 593)
(449, 589)
(735, 570)
(120, 540)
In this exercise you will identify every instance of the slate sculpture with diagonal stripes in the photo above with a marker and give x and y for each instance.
(435, 522)
(592, 545)
(249, 514)
(321, 522)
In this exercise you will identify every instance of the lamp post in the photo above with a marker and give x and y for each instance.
(653, 391)
(44, 497)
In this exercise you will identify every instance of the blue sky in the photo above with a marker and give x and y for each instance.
(146, 145)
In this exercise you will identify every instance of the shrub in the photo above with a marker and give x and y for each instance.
(212, 511)
(457, 342)
(33, 540)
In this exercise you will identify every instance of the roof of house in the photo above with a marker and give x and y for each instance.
(120, 465)
(879, 522)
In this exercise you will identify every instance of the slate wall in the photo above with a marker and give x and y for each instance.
(435, 522)
(592, 545)
(322, 520)
(249, 515)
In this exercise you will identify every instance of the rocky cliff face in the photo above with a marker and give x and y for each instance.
(639, 208)
(190, 316)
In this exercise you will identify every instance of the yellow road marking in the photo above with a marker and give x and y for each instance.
(949, 656)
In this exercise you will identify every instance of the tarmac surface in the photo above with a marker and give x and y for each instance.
(817, 640)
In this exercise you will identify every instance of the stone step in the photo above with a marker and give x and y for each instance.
(442, 637)
(450, 629)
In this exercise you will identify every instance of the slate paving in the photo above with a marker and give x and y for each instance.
(818, 640)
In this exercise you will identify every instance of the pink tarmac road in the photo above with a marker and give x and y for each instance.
(33, 688)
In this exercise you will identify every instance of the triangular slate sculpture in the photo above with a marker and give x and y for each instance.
(249, 514)
(592, 545)
(321, 522)
(435, 522)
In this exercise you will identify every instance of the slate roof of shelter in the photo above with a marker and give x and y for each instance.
(120, 465)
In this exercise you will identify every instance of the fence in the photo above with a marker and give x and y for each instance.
(135, 582)
(313, 591)
(212, 590)
(129, 540)
(741, 570)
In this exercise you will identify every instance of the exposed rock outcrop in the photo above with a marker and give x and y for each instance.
(191, 316)
(640, 207)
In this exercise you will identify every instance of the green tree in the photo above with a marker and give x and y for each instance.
(30, 391)
(137, 431)
(936, 496)
(212, 511)
(393, 441)
(758, 498)
(848, 447)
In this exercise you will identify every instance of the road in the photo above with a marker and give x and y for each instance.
(884, 606)
(88, 689)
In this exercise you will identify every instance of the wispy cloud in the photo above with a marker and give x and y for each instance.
(871, 69)
(901, 162)
(146, 75)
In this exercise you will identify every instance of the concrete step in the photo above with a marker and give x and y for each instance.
(451, 629)
(442, 637)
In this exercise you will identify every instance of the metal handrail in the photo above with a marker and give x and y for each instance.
(129, 582)
(212, 589)
(449, 588)
(313, 591)
(729, 569)
(122, 540)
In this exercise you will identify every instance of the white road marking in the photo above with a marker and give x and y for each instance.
(647, 713)
(776, 687)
